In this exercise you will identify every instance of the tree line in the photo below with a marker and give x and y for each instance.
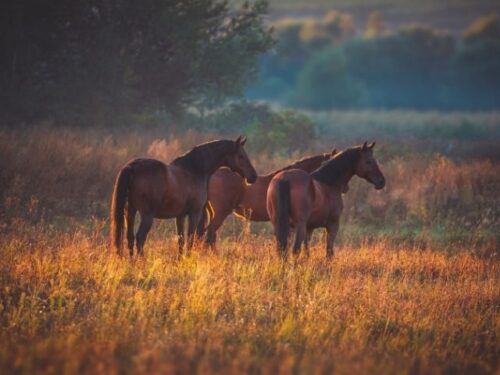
(81, 61)
(323, 64)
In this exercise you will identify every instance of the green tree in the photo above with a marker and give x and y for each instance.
(408, 68)
(124, 55)
(483, 29)
(325, 83)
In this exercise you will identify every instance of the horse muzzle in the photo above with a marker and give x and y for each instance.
(251, 179)
(379, 183)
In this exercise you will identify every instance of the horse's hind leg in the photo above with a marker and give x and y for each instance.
(142, 232)
(300, 237)
(308, 241)
(200, 229)
(179, 223)
(130, 229)
(193, 220)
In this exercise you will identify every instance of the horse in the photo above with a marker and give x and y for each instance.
(177, 190)
(228, 192)
(308, 201)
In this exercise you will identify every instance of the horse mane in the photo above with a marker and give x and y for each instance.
(198, 157)
(297, 164)
(332, 170)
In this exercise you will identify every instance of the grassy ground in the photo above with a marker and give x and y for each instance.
(68, 306)
(413, 287)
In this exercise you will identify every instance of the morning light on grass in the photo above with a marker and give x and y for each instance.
(283, 187)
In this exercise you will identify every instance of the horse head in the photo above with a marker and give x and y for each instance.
(367, 167)
(239, 162)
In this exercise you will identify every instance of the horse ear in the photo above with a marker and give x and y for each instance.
(372, 146)
(243, 141)
(365, 146)
(238, 140)
(334, 152)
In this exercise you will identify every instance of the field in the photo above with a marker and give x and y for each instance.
(413, 287)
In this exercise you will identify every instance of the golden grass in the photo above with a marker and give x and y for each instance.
(68, 306)
(384, 305)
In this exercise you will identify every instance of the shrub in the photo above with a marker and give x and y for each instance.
(283, 132)
(325, 83)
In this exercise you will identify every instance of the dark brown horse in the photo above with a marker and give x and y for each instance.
(177, 190)
(308, 201)
(228, 192)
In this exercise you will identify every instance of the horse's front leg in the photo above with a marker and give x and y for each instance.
(193, 221)
(179, 223)
(332, 229)
(308, 241)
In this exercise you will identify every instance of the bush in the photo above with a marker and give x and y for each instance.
(283, 132)
(325, 83)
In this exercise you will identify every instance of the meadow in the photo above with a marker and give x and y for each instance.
(412, 289)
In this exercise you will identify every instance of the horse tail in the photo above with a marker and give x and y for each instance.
(283, 213)
(118, 202)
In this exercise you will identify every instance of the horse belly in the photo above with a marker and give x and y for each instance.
(179, 196)
(171, 207)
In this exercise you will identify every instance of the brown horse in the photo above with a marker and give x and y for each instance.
(309, 201)
(228, 192)
(177, 190)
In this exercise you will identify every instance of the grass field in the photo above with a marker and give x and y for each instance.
(413, 287)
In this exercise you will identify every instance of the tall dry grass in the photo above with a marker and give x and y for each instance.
(65, 175)
(67, 306)
(383, 305)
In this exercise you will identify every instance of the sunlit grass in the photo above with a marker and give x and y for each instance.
(413, 287)
(69, 305)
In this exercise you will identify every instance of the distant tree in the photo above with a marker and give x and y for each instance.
(325, 83)
(297, 41)
(476, 76)
(482, 29)
(374, 25)
(475, 81)
(408, 68)
(125, 55)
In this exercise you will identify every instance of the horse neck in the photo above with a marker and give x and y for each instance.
(215, 156)
(204, 160)
(336, 173)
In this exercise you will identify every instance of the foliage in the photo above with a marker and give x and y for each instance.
(414, 67)
(102, 56)
(283, 132)
(483, 28)
(325, 83)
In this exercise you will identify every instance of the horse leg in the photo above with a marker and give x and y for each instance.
(332, 230)
(193, 220)
(214, 226)
(142, 232)
(200, 229)
(308, 240)
(179, 223)
(300, 236)
(130, 229)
